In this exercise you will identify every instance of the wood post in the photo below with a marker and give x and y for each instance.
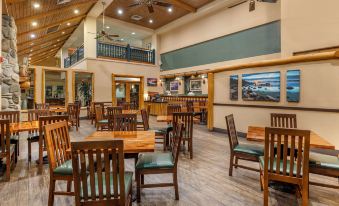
(210, 101)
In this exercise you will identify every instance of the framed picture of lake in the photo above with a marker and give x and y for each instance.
(234, 87)
(152, 82)
(293, 85)
(261, 87)
(195, 85)
(174, 86)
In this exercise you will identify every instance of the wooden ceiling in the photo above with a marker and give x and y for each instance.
(48, 15)
(160, 16)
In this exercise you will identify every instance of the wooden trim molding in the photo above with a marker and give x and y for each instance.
(279, 107)
(290, 60)
(210, 101)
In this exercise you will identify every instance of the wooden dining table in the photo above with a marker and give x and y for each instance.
(256, 133)
(24, 126)
(58, 110)
(134, 141)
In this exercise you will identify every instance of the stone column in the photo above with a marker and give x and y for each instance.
(9, 79)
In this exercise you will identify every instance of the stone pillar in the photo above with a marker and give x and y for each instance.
(9, 79)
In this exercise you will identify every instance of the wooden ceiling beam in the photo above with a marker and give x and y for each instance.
(37, 46)
(52, 25)
(38, 51)
(53, 12)
(181, 4)
(53, 51)
(71, 28)
(39, 60)
(44, 57)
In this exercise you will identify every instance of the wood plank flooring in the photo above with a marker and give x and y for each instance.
(202, 181)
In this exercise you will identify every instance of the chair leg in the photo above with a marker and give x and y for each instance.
(8, 167)
(236, 162)
(29, 150)
(265, 193)
(137, 177)
(51, 192)
(230, 172)
(305, 193)
(142, 179)
(175, 182)
(190, 147)
(69, 186)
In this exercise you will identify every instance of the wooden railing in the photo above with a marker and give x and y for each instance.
(126, 53)
(184, 99)
(75, 57)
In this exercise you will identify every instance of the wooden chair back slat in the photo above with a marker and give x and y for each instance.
(171, 108)
(283, 120)
(176, 141)
(4, 137)
(108, 154)
(57, 141)
(99, 113)
(12, 116)
(41, 106)
(187, 119)
(145, 119)
(34, 114)
(114, 110)
(189, 106)
(280, 147)
(122, 122)
(232, 132)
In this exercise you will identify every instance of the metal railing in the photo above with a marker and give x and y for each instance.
(77, 55)
(127, 53)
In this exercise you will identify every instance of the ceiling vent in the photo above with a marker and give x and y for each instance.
(136, 17)
(52, 29)
(63, 1)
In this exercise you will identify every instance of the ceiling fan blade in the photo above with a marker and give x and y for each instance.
(109, 38)
(133, 5)
(113, 35)
(150, 9)
(158, 3)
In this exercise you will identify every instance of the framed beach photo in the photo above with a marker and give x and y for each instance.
(195, 85)
(293, 85)
(234, 87)
(152, 82)
(174, 86)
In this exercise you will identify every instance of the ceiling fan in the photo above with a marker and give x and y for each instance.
(150, 4)
(252, 3)
(103, 33)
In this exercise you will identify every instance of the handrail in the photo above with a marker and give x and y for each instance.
(128, 53)
(76, 56)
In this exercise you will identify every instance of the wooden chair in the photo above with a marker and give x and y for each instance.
(187, 119)
(171, 108)
(114, 110)
(160, 163)
(13, 117)
(78, 104)
(127, 106)
(122, 122)
(91, 112)
(284, 120)
(33, 135)
(73, 115)
(189, 106)
(7, 150)
(100, 121)
(41, 106)
(98, 104)
(289, 164)
(43, 121)
(94, 185)
(60, 163)
(326, 165)
(160, 133)
(240, 151)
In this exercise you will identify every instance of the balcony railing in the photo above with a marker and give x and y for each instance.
(75, 57)
(127, 53)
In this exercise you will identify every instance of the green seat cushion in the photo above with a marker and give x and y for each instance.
(64, 169)
(250, 150)
(128, 183)
(103, 121)
(155, 160)
(324, 161)
(262, 160)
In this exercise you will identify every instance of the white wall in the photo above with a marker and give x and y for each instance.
(319, 83)
(309, 24)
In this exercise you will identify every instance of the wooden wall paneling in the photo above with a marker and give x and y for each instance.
(210, 101)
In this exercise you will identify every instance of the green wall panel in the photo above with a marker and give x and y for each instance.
(261, 40)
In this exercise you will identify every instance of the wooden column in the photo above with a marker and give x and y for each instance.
(128, 91)
(114, 99)
(210, 101)
(141, 93)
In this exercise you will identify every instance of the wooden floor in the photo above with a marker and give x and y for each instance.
(202, 181)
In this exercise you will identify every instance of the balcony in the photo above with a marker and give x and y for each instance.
(76, 56)
(127, 53)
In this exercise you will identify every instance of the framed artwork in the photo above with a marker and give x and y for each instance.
(152, 82)
(234, 79)
(174, 86)
(293, 85)
(195, 85)
(261, 87)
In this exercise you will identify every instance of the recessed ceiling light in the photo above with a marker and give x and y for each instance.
(33, 36)
(133, 33)
(150, 21)
(58, 40)
(32, 43)
(36, 5)
(34, 23)
(31, 50)
(29, 58)
(68, 24)
(63, 32)
(76, 11)
(170, 9)
(120, 11)
(122, 39)
(54, 45)
(107, 27)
